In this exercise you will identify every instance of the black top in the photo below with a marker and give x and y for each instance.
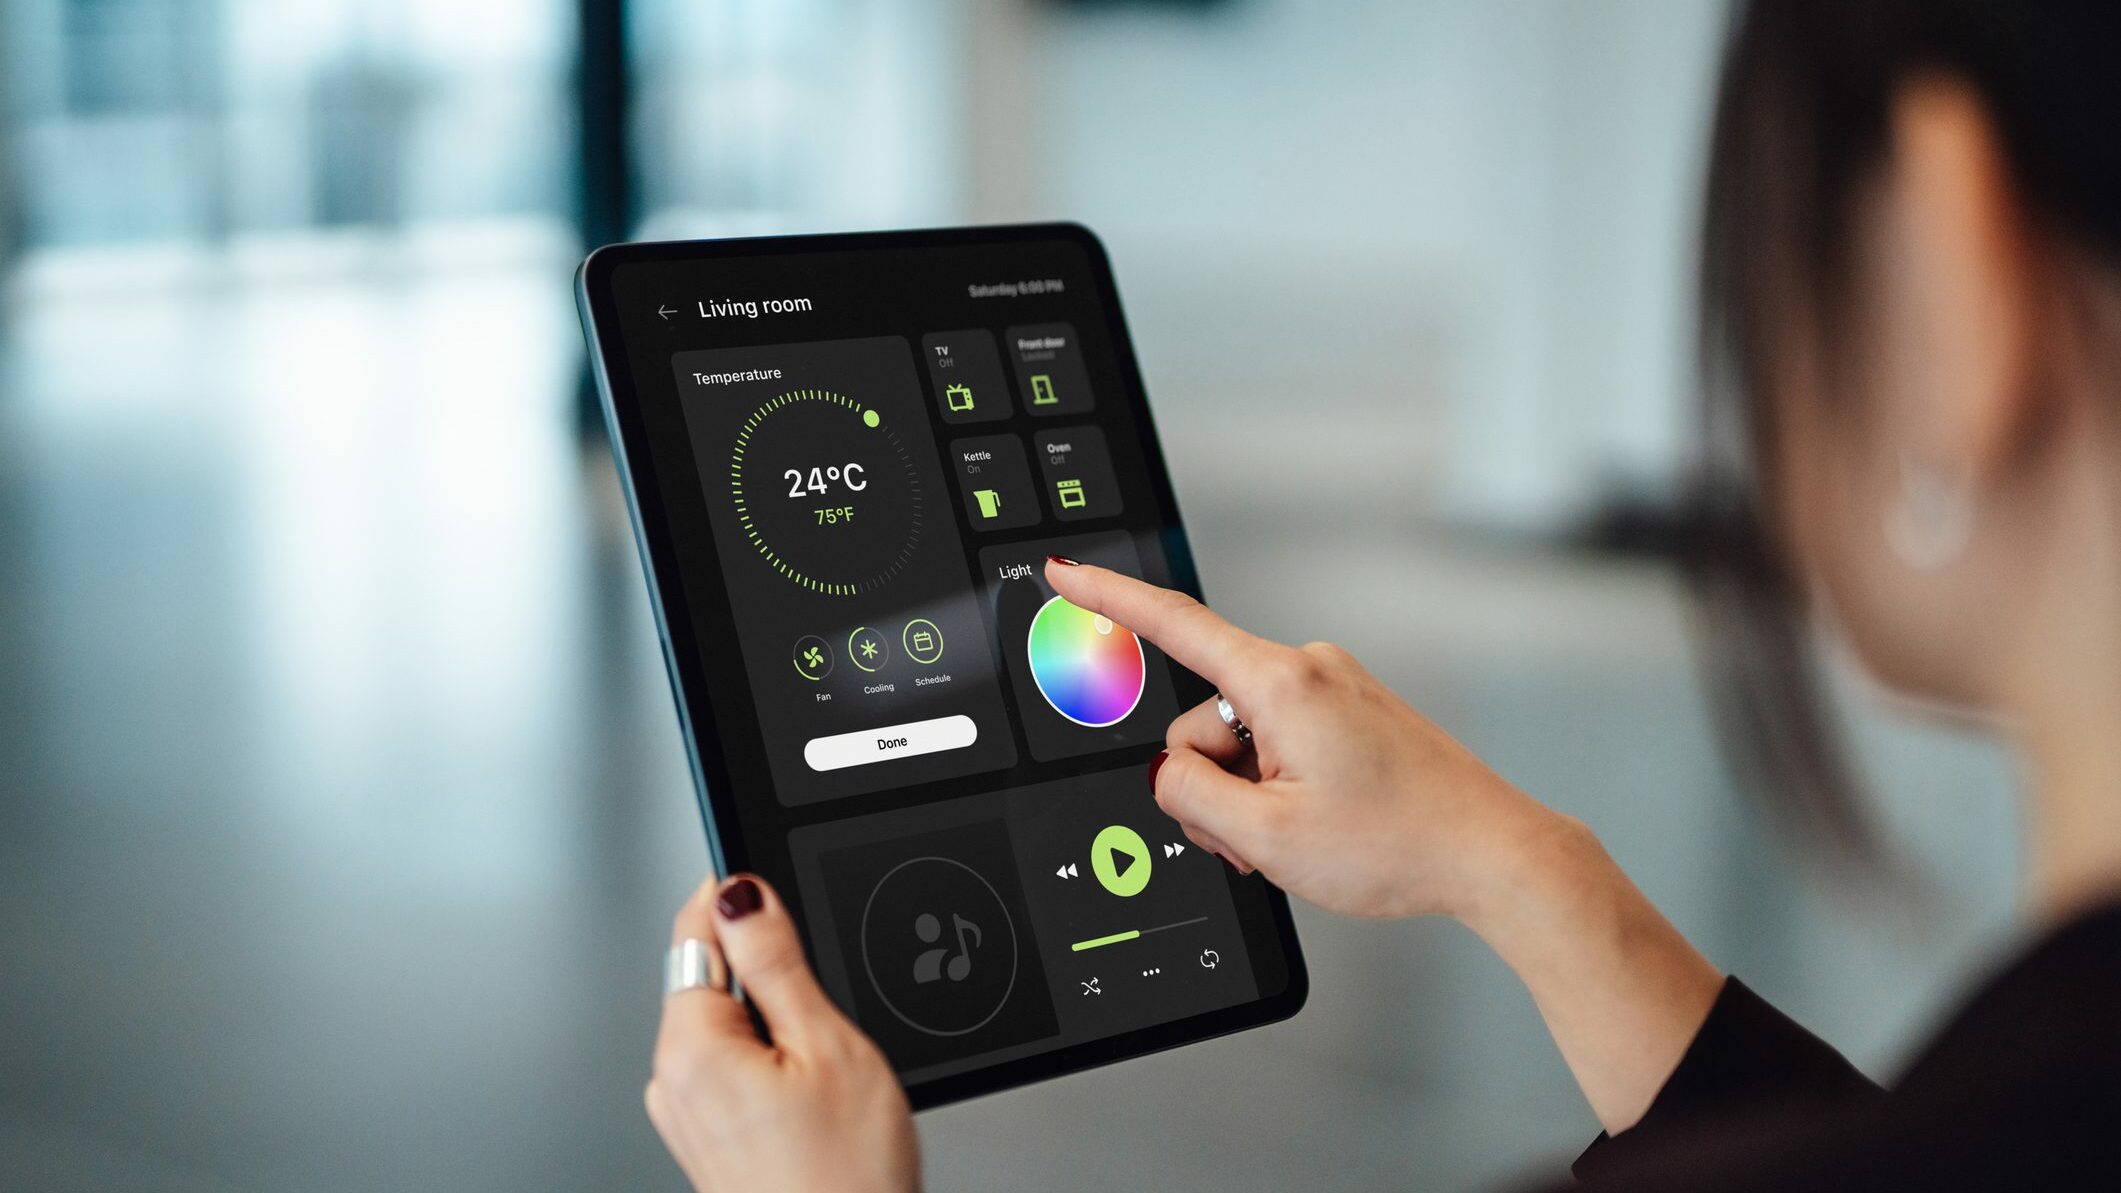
(2022, 1090)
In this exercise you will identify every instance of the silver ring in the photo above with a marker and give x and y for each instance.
(691, 965)
(1237, 728)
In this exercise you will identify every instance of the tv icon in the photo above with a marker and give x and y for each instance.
(970, 383)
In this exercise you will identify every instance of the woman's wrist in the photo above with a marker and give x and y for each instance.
(1622, 991)
(1552, 903)
(1536, 868)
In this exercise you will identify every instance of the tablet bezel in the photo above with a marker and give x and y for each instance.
(683, 656)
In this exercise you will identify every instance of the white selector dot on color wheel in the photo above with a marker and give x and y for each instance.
(1101, 624)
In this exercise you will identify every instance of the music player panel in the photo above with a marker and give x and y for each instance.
(1080, 911)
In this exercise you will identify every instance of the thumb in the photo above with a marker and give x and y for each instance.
(1196, 791)
(758, 939)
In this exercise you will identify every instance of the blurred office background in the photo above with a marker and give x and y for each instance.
(341, 803)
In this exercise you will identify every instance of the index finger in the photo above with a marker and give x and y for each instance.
(1184, 628)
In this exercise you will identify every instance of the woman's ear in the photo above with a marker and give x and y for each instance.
(1967, 276)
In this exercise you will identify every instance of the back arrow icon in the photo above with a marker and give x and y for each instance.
(665, 312)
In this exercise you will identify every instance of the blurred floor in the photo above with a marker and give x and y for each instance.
(344, 807)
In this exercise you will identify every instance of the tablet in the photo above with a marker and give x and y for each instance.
(847, 459)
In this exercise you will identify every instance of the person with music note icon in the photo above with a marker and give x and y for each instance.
(929, 965)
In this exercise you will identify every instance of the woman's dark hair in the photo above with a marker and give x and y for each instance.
(1801, 130)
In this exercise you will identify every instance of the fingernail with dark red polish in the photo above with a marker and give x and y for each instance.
(739, 898)
(1156, 764)
(1063, 560)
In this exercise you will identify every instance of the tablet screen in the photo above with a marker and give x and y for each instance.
(852, 458)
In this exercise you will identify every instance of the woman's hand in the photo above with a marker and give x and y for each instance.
(1348, 797)
(819, 1108)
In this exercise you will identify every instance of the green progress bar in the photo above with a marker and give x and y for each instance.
(1115, 938)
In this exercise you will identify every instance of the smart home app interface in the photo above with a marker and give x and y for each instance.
(865, 459)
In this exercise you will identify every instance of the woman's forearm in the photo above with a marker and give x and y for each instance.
(1622, 992)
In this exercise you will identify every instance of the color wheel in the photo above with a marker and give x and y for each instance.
(1090, 670)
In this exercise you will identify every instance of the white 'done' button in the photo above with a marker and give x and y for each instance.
(891, 741)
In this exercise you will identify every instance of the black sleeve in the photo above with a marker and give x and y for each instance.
(1748, 1056)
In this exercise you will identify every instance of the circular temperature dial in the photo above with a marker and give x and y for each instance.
(826, 491)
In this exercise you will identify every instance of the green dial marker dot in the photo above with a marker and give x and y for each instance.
(869, 418)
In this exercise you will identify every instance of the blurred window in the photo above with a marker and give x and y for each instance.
(196, 119)
(125, 121)
(784, 115)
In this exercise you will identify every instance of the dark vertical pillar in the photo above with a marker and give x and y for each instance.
(605, 197)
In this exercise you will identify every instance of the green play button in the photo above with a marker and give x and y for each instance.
(1121, 859)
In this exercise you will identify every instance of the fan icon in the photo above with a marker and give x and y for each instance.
(813, 659)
